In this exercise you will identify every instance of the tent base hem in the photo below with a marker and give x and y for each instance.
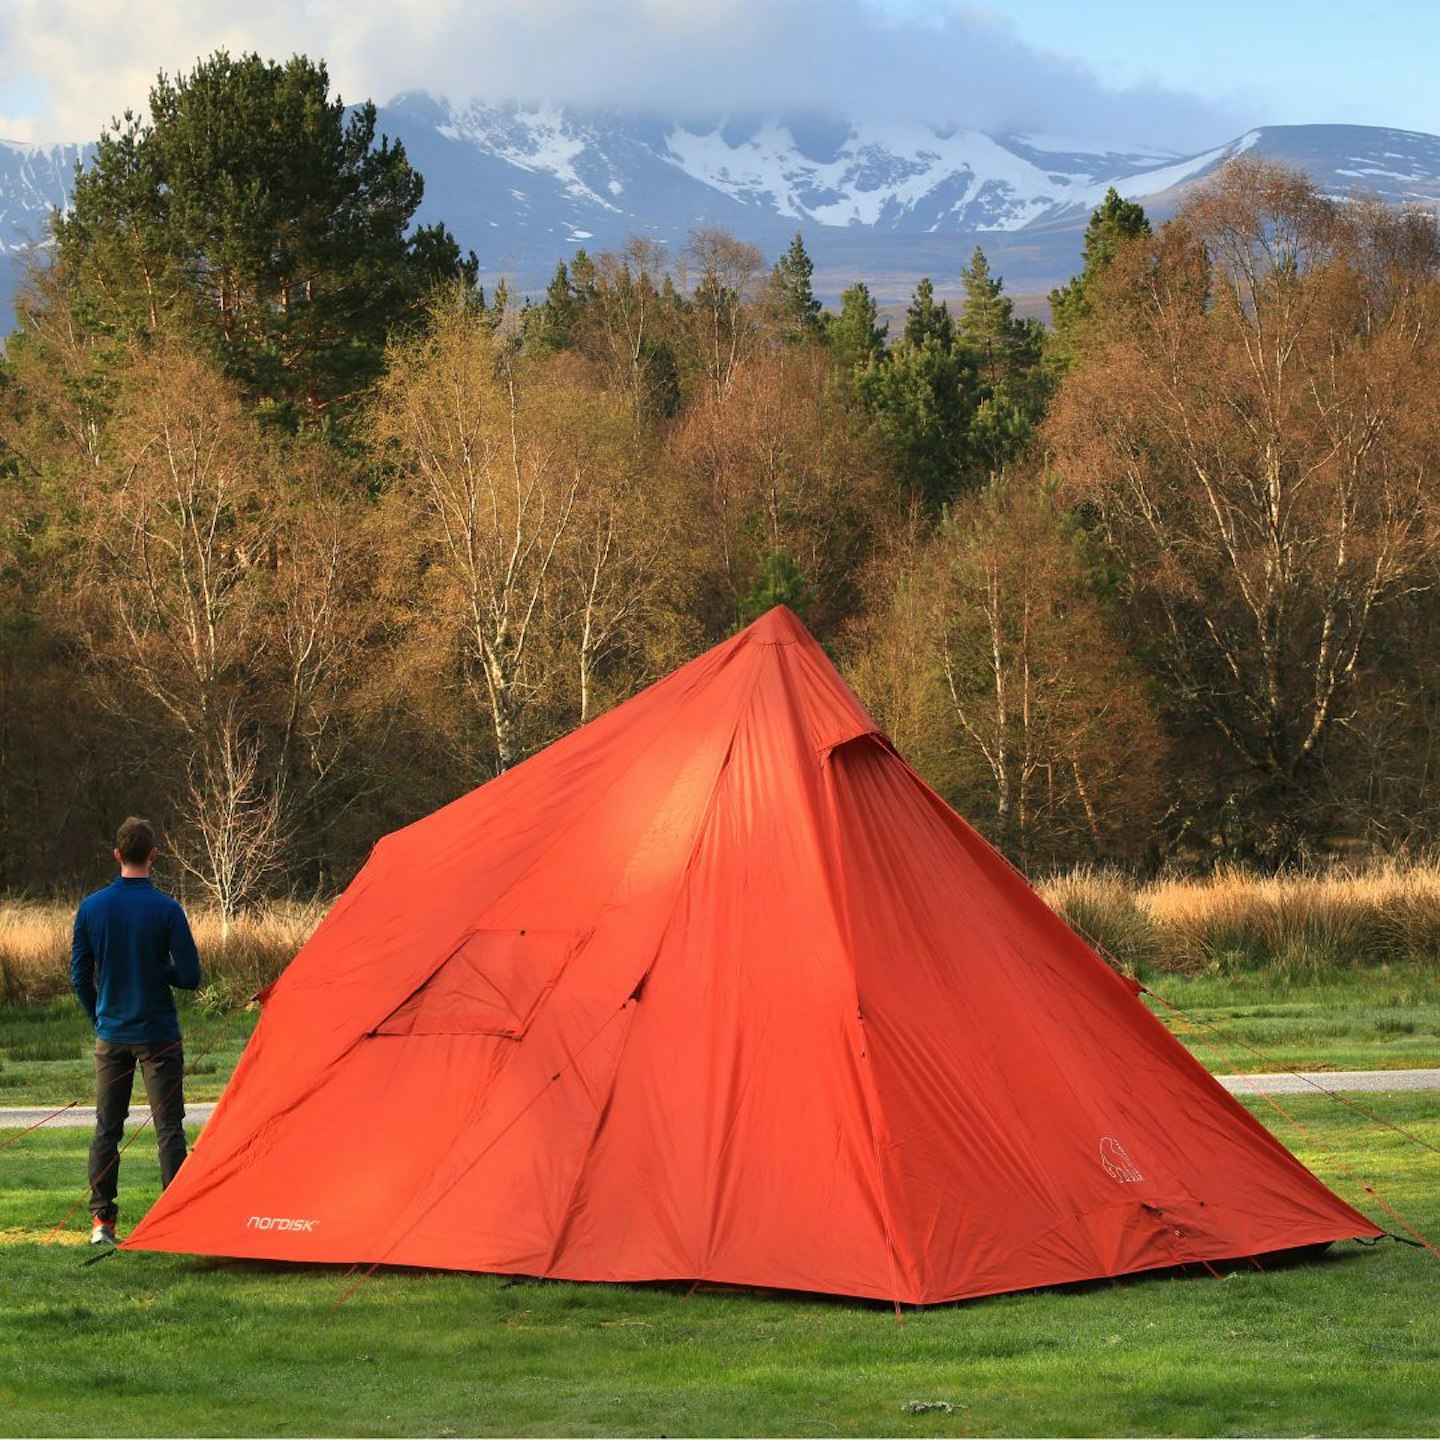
(1198, 1265)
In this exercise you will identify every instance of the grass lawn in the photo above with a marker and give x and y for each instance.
(1364, 1017)
(156, 1344)
(46, 1053)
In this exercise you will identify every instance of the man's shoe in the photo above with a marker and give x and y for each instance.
(102, 1232)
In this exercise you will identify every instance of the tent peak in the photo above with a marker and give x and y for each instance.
(832, 712)
(780, 626)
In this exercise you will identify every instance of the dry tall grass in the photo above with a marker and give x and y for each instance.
(35, 949)
(1297, 925)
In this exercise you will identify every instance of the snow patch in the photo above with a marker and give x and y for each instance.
(540, 138)
(1153, 182)
(888, 166)
(965, 174)
(1089, 145)
(1380, 172)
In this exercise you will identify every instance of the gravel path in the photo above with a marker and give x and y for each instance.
(1331, 1080)
(83, 1116)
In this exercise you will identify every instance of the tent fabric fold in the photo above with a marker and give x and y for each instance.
(715, 988)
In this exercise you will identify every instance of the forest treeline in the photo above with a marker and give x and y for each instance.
(303, 534)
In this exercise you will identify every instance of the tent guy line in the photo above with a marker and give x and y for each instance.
(1216, 1044)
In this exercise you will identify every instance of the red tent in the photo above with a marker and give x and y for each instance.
(715, 988)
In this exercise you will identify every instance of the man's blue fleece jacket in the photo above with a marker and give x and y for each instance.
(131, 944)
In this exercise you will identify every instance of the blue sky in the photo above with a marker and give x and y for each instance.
(1283, 62)
(1177, 76)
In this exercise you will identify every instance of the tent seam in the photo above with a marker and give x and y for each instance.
(874, 1110)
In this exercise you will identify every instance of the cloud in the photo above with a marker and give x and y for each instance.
(940, 61)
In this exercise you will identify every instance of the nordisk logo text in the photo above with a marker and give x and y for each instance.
(273, 1222)
(1117, 1162)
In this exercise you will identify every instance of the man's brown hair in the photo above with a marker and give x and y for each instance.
(135, 840)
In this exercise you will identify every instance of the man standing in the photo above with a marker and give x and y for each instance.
(132, 944)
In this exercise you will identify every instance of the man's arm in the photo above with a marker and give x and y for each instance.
(82, 965)
(184, 958)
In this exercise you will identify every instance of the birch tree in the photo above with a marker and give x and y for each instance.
(626, 320)
(1038, 685)
(180, 541)
(726, 277)
(781, 470)
(1250, 427)
(495, 462)
(989, 658)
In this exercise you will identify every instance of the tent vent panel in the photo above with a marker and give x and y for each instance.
(492, 984)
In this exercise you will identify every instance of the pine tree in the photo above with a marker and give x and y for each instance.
(857, 334)
(988, 324)
(928, 319)
(780, 583)
(797, 311)
(923, 396)
(265, 218)
(1114, 223)
(987, 317)
(550, 325)
(1011, 386)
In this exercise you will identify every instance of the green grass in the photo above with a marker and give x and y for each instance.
(46, 1052)
(1374, 1017)
(1381, 1017)
(157, 1344)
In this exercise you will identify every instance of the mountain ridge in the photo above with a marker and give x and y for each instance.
(526, 184)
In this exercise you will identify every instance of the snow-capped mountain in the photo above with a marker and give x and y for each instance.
(588, 175)
(526, 185)
(34, 181)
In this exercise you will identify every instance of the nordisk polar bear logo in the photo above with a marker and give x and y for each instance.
(278, 1222)
(1117, 1162)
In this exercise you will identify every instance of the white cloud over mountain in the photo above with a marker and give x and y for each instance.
(67, 66)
